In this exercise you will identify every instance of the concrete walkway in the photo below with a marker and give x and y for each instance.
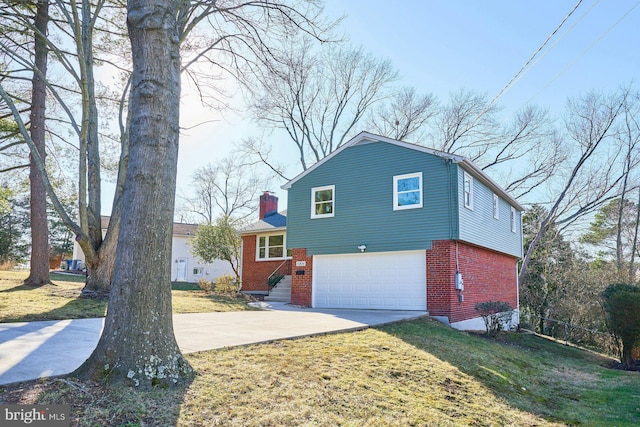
(40, 349)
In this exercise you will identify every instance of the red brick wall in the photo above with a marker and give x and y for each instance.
(441, 269)
(487, 275)
(255, 273)
(301, 283)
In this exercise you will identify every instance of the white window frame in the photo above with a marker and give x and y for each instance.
(314, 190)
(468, 201)
(396, 206)
(513, 220)
(496, 206)
(197, 271)
(266, 248)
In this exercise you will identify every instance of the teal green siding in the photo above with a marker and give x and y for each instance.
(478, 226)
(363, 178)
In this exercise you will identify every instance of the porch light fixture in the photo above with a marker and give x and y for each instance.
(362, 248)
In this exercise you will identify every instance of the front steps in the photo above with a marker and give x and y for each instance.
(282, 291)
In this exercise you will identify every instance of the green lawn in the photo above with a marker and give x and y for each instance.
(409, 373)
(60, 300)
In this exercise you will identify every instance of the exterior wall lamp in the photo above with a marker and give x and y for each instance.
(362, 248)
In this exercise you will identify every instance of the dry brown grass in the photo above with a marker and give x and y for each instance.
(60, 300)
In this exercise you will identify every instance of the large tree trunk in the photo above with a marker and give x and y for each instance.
(100, 273)
(138, 346)
(39, 271)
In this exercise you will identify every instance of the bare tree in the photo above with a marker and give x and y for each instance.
(591, 175)
(137, 346)
(404, 116)
(236, 41)
(318, 98)
(74, 23)
(229, 187)
(39, 261)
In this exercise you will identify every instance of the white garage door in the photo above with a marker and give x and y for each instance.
(384, 281)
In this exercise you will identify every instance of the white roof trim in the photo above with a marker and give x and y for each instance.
(369, 137)
(246, 232)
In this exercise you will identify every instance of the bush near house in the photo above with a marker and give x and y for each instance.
(225, 284)
(496, 315)
(205, 285)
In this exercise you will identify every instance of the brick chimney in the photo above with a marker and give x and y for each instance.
(268, 204)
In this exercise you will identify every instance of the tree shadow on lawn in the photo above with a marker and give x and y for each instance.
(557, 382)
(23, 287)
(78, 308)
(93, 403)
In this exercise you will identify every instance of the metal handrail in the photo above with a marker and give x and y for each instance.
(276, 276)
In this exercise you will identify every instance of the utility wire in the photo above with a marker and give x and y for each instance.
(577, 58)
(558, 40)
(516, 76)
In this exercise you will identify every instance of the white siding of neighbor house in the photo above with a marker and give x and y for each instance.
(180, 249)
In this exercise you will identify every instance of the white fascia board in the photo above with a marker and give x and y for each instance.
(261, 230)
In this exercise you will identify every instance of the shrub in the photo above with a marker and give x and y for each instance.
(621, 303)
(226, 284)
(205, 285)
(496, 315)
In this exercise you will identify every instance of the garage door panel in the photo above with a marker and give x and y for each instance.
(392, 280)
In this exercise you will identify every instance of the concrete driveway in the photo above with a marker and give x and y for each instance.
(40, 349)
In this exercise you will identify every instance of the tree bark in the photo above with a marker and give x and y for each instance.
(632, 268)
(39, 263)
(138, 346)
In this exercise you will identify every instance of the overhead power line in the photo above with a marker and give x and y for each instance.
(523, 68)
(577, 58)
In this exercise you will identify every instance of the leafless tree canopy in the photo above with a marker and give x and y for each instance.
(318, 98)
(229, 187)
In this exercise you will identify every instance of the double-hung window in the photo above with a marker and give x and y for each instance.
(468, 191)
(513, 220)
(407, 191)
(323, 201)
(271, 247)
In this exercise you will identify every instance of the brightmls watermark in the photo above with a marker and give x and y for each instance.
(35, 415)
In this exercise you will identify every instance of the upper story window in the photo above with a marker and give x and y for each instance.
(407, 191)
(271, 247)
(496, 206)
(323, 201)
(513, 220)
(468, 191)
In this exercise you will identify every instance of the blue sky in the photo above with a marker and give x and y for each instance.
(443, 46)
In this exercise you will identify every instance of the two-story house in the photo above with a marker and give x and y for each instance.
(384, 224)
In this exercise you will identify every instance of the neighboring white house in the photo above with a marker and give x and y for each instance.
(185, 267)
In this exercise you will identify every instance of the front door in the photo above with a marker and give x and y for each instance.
(181, 273)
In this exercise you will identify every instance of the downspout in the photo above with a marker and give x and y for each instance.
(241, 261)
(517, 272)
(454, 228)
